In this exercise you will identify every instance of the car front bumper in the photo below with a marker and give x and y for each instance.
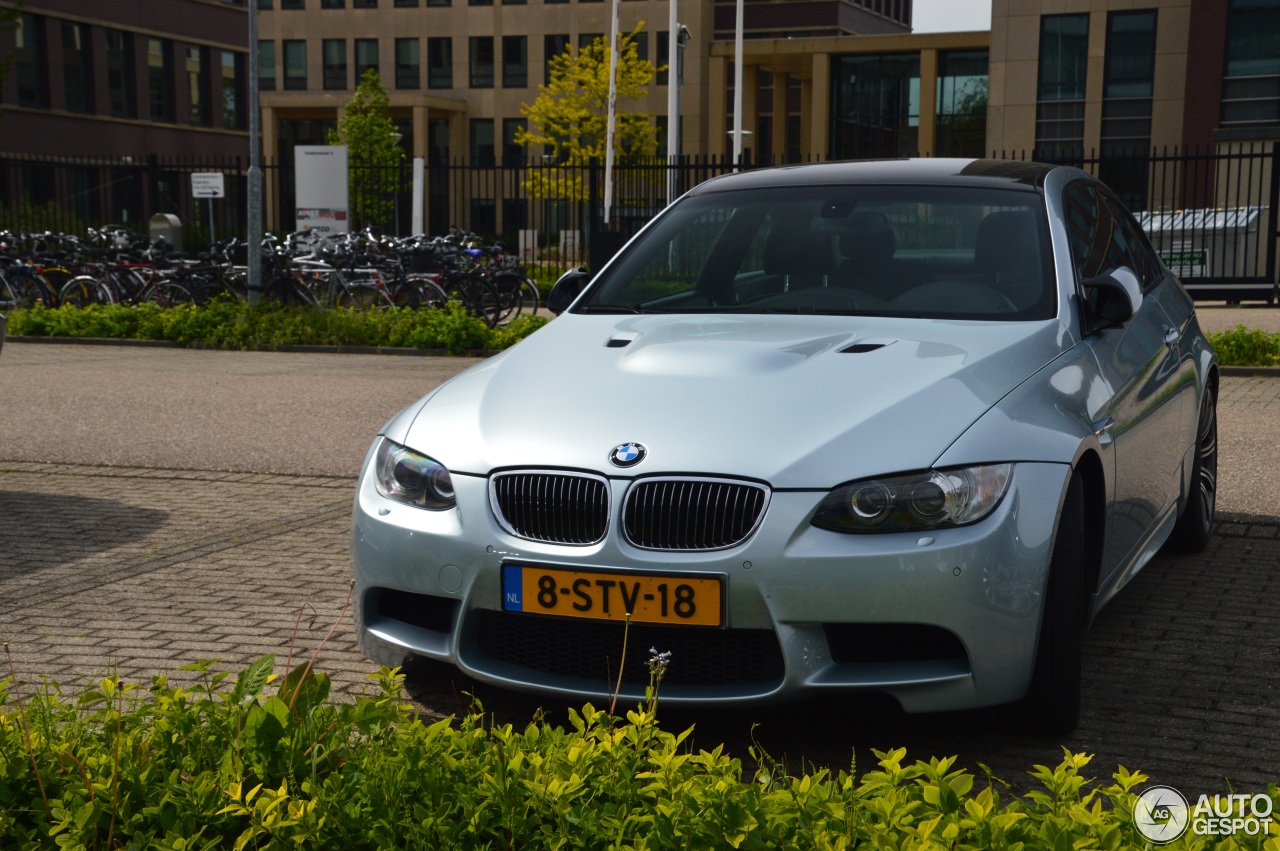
(939, 620)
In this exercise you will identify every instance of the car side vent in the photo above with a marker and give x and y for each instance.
(861, 348)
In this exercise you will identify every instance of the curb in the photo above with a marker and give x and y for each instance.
(294, 349)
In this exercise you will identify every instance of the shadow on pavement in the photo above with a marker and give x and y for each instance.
(81, 526)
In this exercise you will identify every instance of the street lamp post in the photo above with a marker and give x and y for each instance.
(255, 170)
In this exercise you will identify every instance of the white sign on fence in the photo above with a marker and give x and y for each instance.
(208, 184)
(320, 185)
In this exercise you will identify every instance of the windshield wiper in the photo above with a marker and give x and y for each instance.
(614, 308)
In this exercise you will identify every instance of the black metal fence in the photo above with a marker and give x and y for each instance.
(1212, 213)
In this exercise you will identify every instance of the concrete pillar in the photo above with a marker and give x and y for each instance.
(717, 143)
(778, 143)
(818, 107)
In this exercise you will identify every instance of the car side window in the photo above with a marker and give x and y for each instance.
(1103, 236)
(1136, 247)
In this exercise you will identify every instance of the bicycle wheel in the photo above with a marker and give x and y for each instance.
(166, 294)
(26, 289)
(478, 296)
(82, 290)
(361, 297)
(508, 286)
(425, 291)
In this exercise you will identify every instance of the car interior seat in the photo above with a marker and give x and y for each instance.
(801, 255)
(1006, 256)
(867, 246)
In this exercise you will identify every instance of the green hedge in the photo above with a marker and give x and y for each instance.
(1243, 346)
(255, 761)
(228, 324)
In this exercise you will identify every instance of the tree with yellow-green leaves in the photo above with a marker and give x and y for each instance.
(373, 151)
(570, 116)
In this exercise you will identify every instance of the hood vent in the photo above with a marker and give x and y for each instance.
(863, 347)
(621, 339)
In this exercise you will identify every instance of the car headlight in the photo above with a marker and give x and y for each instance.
(932, 499)
(407, 476)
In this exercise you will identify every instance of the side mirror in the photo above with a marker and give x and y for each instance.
(1112, 299)
(568, 288)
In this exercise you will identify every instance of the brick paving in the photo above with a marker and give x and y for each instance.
(144, 570)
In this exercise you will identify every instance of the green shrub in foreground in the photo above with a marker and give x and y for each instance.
(228, 324)
(1243, 346)
(257, 761)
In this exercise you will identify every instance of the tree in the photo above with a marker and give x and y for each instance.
(373, 151)
(570, 115)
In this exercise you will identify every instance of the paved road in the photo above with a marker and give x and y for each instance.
(159, 506)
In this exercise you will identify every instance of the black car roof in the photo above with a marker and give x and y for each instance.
(1003, 174)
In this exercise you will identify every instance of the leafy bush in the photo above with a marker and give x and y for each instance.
(228, 324)
(1243, 346)
(260, 761)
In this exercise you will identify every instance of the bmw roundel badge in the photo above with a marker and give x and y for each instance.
(627, 454)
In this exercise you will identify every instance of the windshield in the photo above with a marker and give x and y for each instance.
(927, 251)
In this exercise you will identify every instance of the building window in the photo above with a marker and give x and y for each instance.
(160, 79)
(556, 2)
(479, 2)
(440, 63)
(367, 57)
(1126, 104)
(230, 90)
(120, 81)
(333, 4)
(295, 64)
(482, 153)
(29, 62)
(406, 4)
(439, 2)
(267, 66)
(333, 52)
(408, 72)
(77, 72)
(552, 46)
(875, 105)
(293, 4)
(195, 68)
(962, 104)
(515, 61)
(364, 4)
(1251, 82)
(1064, 56)
(264, 4)
(513, 154)
(663, 45)
(481, 62)
(585, 40)
(514, 2)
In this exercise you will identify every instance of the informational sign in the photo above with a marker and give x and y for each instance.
(320, 187)
(208, 184)
(1186, 261)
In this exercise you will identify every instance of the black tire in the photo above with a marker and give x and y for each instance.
(29, 289)
(80, 291)
(1191, 532)
(361, 297)
(1052, 704)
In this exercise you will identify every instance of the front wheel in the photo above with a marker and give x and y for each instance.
(1191, 532)
(1052, 704)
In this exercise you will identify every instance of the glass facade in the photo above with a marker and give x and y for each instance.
(552, 46)
(29, 62)
(408, 65)
(295, 64)
(366, 58)
(962, 104)
(1126, 104)
(512, 154)
(266, 65)
(440, 63)
(515, 61)
(160, 78)
(77, 69)
(120, 96)
(1064, 57)
(875, 105)
(333, 53)
(230, 90)
(482, 143)
(1251, 79)
(480, 62)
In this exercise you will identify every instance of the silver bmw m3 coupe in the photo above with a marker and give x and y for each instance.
(898, 427)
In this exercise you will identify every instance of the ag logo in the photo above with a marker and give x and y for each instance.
(627, 455)
(1160, 814)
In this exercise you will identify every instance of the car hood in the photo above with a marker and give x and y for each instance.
(796, 401)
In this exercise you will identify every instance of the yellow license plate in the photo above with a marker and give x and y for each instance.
(612, 596)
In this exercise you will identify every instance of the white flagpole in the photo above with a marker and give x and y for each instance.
(737, 91)
(613, 100)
